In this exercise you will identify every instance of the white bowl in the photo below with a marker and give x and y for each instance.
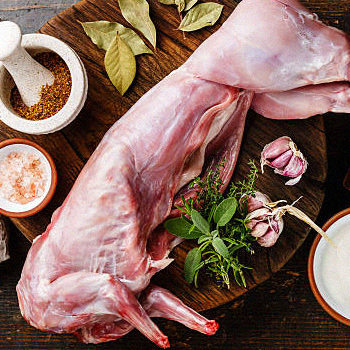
(35, 43)
(12, 209)
(325, 263)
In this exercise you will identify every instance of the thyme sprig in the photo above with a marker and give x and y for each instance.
(220, 229)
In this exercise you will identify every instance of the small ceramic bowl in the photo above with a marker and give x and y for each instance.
(13, 209)
(35, 43)
(320, 260)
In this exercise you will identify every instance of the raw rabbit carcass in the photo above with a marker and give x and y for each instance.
(89, 272)
(86, 273)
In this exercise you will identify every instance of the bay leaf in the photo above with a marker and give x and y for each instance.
(200, 16)
(167, 2)
(190, 4)
(120, 64)
(103, 32)
(180, 5)
(136, 12)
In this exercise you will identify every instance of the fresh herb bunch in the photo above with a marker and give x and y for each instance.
(220, 229)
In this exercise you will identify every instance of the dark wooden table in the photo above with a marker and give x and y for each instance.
(281, 313)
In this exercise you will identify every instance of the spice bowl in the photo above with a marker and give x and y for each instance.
(329, 268)
(28, 178)
(34, 44)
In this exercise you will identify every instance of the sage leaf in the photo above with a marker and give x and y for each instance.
(182, 228)
(103, 32)
(200, 222)
(192, 263)
(203, 239)
(136, 12)
(200, 16)
(120, 64)
(225, 211)
(190, 4)
(220, 247)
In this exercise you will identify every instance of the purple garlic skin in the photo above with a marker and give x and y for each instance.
(284, 157)
(263, 222)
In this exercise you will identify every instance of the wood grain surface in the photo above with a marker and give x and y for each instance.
(104, 106)
(293, 319)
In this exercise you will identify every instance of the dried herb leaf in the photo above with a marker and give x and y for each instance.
(136, 12)
(190, 4)
(103, 32)
(167, 2)
(120, 64)
(200, 16)
(180, 5)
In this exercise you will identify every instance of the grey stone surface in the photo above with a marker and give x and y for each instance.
(30, 15)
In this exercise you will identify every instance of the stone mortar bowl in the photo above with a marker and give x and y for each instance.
(36, 43)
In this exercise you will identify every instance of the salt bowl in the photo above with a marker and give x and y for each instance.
(21, 147)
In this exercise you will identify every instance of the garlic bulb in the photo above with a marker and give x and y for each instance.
(265, 218)
(284, 157)
(263, 222)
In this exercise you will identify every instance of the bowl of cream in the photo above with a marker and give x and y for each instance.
(329, 267)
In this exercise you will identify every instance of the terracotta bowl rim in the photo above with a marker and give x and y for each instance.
(310, 269)
(53, 184)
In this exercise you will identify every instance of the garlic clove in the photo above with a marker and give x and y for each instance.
(296, 167)
(275, 148)
(268, 239)
(251, 224)
(282, 160)
(255, 202)
(260, 229)
(290, 163)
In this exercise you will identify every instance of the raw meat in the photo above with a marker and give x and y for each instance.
(89, 272)
(85, 275)
(271, 45)
(304, 102)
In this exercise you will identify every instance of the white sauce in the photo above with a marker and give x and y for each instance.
(333, 275)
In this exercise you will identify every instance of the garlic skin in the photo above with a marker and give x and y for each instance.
(264, 224)
(284, 157)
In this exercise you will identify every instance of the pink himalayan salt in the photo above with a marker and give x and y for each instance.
(22, 177)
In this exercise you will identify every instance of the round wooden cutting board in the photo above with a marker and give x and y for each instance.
(72, 146)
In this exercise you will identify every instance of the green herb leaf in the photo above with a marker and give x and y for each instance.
(200, 222)
(200, 16)
(190, 4)
(225, 211)
(214, 233)
(182, 228)
(120, 64)
(103, 32)
(203, 239)
(220, 247)
(136, 12)
(192, 263)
